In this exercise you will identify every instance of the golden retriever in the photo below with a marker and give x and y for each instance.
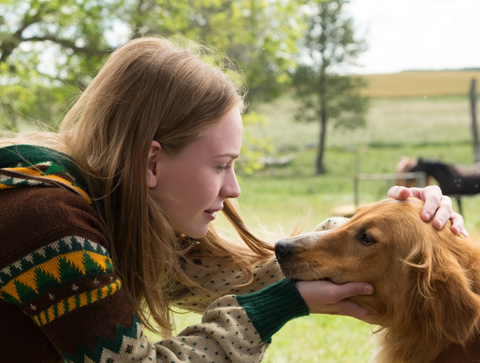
(427, 282)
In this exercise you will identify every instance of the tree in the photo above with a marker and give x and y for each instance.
(60, 44)
(260, 36)
(44, 47)
(326, 95)
(50, 50)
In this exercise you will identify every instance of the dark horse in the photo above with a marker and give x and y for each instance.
(454, 180)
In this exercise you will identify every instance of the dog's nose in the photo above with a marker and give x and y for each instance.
(283, 248)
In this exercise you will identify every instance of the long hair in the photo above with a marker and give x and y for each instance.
(151, 89)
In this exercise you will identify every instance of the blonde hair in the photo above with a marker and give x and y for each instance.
(150, 89)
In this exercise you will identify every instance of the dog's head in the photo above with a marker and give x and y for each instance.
(422, 277)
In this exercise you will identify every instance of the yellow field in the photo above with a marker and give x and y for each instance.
(421, 83)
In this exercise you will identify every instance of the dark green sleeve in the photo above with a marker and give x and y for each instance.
(271, 308)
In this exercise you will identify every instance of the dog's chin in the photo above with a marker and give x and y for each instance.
(299, 274)
(369, 302)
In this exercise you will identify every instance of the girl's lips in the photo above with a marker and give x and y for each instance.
(210, 214)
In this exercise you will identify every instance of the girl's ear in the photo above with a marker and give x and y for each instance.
(152, 163)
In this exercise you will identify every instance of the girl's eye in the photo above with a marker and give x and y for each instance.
(223, 167)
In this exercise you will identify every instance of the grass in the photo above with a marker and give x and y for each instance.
(390, 122)
(274, 200)
(321, 338)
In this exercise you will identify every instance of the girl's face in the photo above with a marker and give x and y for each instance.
(191, 186)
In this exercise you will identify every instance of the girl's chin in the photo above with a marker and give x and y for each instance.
(200, 233)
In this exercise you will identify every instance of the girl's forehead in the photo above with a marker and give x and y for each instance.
(224, 138)
(230, 127)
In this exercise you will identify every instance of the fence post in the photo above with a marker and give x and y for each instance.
(473, 106)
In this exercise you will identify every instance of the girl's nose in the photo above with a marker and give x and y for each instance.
(231, 189)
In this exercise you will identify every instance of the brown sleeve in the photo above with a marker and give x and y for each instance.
(62, 278)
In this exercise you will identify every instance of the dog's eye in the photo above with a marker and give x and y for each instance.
(367, 240)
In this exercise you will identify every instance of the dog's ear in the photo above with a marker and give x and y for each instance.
(442, 295)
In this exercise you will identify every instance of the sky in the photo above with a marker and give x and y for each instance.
(417, 34)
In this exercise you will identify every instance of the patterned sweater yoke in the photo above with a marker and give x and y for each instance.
(62, 301)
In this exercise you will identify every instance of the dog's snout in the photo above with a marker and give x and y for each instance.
(283, 249)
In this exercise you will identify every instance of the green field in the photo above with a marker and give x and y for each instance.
(273, 201)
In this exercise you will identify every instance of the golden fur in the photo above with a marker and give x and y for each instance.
(427, 282)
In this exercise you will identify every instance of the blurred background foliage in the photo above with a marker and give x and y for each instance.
(50, 50)
(61, 44)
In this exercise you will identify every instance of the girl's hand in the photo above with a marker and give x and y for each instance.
(324, 297)
(437, 206)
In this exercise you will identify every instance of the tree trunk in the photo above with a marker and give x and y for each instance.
(322, 92)
(473, 105)
(319, 168)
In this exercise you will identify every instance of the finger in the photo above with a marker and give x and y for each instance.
(340, 292)
(350, 308)
(465, 233)
(444, 212)
(435, 202)
(457, 225)
(399, 192)
(430, 191)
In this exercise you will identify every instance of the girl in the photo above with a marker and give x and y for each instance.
(106, 225)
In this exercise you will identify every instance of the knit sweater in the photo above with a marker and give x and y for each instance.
(61, 299)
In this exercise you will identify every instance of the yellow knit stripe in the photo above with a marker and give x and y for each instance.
(74, 302)
(3, 186)
(40, 174)
(52, 268)
(25, 170)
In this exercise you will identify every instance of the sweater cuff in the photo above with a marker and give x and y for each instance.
(271, 308)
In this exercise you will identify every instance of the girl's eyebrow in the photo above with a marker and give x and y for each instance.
(232, 156)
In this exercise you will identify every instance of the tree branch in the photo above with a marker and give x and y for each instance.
(10, 43)
(68, 44)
